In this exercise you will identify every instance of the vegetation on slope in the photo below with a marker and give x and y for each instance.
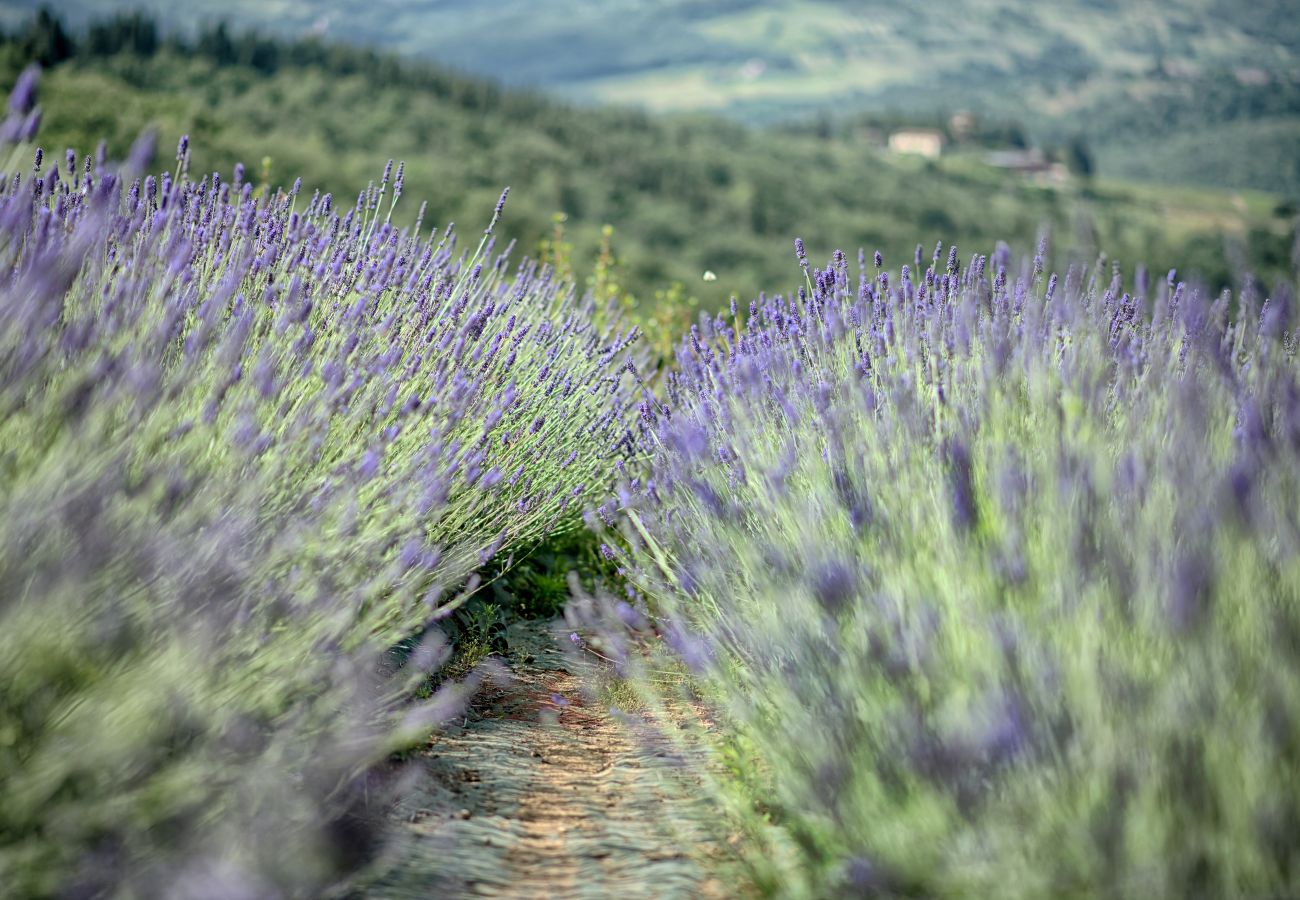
(688, 195)
(1062, 67)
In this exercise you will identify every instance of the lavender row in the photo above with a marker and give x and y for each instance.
(991, 577)
(247, 443)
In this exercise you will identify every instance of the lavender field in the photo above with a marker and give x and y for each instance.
(992, 575)
(346, 552)
(249, 445)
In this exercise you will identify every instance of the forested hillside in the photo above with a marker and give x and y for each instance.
(688, 195)
(1126, 77)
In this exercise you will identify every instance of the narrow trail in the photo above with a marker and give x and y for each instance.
(540, 795)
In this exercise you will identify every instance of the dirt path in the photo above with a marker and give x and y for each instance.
(549, 797)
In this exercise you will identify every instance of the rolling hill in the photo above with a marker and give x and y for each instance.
(688, 193)
(1117, 74)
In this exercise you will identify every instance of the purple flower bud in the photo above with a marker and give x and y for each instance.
(863, 878)
(691, 649)
(1191, 590)
(141, 155)
(627, 614)
(496, 213)
(410, 554)
(30, 125)
(23, 97)
(961, 485)
(835, 585)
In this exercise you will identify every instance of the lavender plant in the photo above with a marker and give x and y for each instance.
(247, 444)
(993, 579)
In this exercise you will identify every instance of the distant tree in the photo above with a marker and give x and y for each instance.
(823, 127)
(46, 41)
(257, 52)
(216, 45)
(135, 33)
(1078, 158)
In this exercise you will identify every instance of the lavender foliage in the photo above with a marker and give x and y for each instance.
(992, 580)
(247, 444)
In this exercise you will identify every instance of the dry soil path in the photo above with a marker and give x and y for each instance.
(541, 793)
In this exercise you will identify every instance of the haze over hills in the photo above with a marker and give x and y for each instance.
(1115, 73)
(748, 53)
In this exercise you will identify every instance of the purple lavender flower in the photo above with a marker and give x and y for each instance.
(835, 586)
(500, 207)
(22, 100)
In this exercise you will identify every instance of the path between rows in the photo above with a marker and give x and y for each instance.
(541, 793)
